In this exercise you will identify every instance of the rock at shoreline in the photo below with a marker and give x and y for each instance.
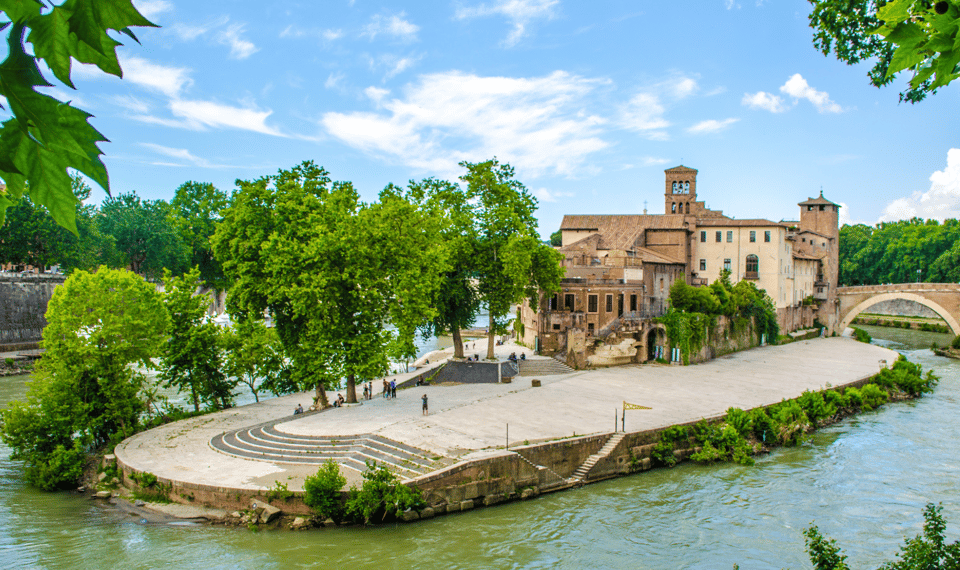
(269, 513)
(103, 495)
(299, 523)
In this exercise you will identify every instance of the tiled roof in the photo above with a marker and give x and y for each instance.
(681, 168)
(651, 256)
(618, 222)
(816, 201)
(814, 233)
(800, 255)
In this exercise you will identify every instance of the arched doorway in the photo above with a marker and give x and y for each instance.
(655, 338)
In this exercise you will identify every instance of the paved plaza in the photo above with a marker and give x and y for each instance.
(470, 420)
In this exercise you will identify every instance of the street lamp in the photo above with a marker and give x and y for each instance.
(918, 275)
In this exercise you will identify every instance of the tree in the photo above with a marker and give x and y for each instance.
(85, 392)
(902, 35)
(347, 284)
(145, 234)
(191, 360)
(457, 302)
(556, 238)
(511, 264)
(196, 210)
(46, 137)
(254, 356)
(30, 236)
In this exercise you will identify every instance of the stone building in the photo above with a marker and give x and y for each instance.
(619, 268)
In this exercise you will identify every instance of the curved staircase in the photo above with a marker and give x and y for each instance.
(267, 443)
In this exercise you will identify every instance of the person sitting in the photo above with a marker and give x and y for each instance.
(523, 356)
(340, 400)
(512, 357)
(298, 409)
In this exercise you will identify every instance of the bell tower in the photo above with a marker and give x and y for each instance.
(680, 195)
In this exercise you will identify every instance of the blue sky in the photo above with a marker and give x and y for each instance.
(590, 102)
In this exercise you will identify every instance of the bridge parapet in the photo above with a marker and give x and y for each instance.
(942, 298)
(895, 287)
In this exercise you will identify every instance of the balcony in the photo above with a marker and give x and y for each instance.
(699, 281)
(751, 275)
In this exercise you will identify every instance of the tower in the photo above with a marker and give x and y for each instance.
(680, 193)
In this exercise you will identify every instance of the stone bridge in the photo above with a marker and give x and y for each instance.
(942, 298)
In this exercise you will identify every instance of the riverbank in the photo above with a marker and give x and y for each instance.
(553, 429)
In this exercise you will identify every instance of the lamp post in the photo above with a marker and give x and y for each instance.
(918, 275)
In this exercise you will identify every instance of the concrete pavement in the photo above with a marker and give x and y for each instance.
(470, 420)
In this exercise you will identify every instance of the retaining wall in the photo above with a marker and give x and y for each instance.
(23, 304)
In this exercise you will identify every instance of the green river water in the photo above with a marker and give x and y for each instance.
(864, 482)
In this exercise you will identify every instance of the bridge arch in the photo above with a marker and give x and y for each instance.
(932, 305)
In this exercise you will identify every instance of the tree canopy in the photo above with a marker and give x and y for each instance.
(892, 252)
(85, 392)
(145, 234)
(46, 137)
(915, 36)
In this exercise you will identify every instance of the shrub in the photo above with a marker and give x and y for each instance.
(762, 424)
(854, 397)
(836, 399)
(381, 494)
(815, 407)
(873, 396)
(956, 342)
(740, 420)
(663, 451)
(721, 442)
(321, 492)
(791, 421)
(861, 335)
(279, 491)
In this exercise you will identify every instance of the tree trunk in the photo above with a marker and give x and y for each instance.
(351, 389)
(490, 335)
(457, 343)
(196, 400)
(320, 400)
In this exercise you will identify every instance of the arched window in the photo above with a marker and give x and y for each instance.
(686, 187)
(674, 187)
(673, 208)
(753, 264)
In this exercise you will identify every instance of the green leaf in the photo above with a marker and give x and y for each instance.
(907, 34)
(20, 10)
(905, 58)
(896, 11)
(50, 36)
(945, 68)
(940, 43)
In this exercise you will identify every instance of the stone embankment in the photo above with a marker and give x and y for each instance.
(483, 444)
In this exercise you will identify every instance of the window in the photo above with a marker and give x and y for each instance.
(592, 304)
(661, 286)
(568, 302)
(719, 238)
(590, 328)
(809, 208)
(766, 236)
(753, 264)
(726, 265)
(703, 265)
(553, 303)
(609, 303)
(703, 237)
(673, 208)
(556, 327)
(633, 302)
(753, 236)
(729, 237)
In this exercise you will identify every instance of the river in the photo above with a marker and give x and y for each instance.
(863, 481)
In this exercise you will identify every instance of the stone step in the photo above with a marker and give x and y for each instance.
(543, 367)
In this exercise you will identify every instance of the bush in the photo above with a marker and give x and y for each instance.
(873, 396)
(740, 420)
(381, 496)
(791, 422)
(815, 407)
(663, 451)
(321, 492)
(861, 335)
(956, 342)
(721, 442)
(854, 397)
(836, 399)
(762, 424)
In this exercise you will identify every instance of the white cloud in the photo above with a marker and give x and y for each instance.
(519, 12)
(536, 124)
(711, 126)
(940, 202)
(167, 80)
(182, 154)
(545, 195)
(395, 26)
(239, 47)
(197, 115)
(644, 114)
(65, 96)
(333, 80)
(765, 101)
(798, 88)
(150, 8)
(844, 217)
(329, 35)
(131, 103)
(229, 36)
(654, 161)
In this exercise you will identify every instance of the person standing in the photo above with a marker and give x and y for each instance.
(393, 389)
(425, 411)
(386, 389)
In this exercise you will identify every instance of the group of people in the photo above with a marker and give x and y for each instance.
(474, 358)
(339, 401)
(368, 391)
(389, 388)
(513, 356)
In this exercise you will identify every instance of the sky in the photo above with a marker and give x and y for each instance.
(588, 101)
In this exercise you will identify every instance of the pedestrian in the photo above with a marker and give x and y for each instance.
(425, 411)
(393, 388)
(365, 391)
(386, 389)
(370, 391)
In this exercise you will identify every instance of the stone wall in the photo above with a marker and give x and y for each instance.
(902, 308)
(23, 304)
